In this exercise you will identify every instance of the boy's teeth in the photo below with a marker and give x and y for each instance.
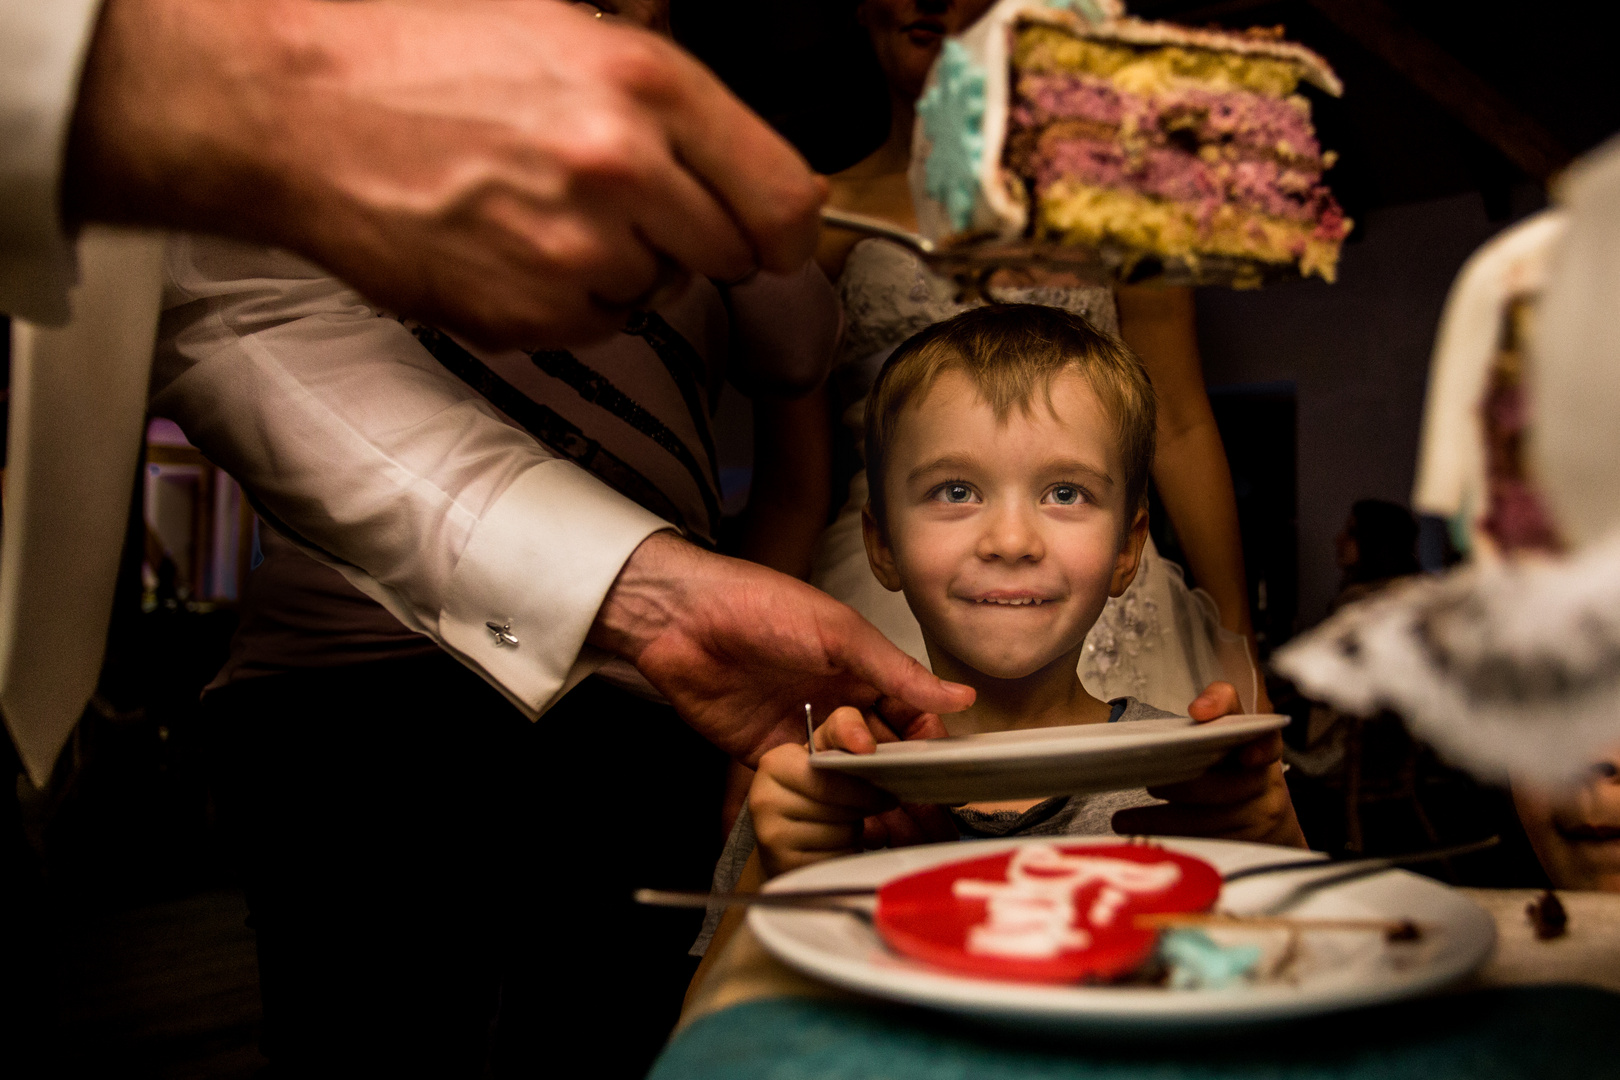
(1014, 603)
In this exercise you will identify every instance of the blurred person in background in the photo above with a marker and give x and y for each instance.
(1378, 544)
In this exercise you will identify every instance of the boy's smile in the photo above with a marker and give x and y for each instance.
(1007, 536)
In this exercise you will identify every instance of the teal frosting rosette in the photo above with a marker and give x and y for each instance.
(952, 112)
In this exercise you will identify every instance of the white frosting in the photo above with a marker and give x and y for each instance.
(1033, 913)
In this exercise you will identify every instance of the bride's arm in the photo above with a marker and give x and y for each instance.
(791, 493)
(1190, 467)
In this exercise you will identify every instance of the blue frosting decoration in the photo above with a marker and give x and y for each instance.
(1196, 962)
(952, 112)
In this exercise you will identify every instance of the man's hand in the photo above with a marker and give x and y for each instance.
(1244, 797)
(516, 171)
(739, 649)
(803, 815)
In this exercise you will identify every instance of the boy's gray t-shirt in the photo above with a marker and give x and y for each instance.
(1064, 815)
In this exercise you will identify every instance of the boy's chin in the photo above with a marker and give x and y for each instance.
(1005, 668)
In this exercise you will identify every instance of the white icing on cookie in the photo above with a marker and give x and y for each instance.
(1032, 913)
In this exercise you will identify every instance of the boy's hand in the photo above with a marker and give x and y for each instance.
(804, 815)
(1243, 797)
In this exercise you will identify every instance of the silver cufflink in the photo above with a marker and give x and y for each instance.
(502, 633)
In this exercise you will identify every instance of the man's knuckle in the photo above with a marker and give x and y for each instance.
(647, 68)
(572, 249)
(610, 146)
(795, 195)
(770, 831)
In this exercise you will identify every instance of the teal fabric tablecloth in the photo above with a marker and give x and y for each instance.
(1554, 1032)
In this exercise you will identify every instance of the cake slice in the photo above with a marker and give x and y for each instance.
(1161, 149)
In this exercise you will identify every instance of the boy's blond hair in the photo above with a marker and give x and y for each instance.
(1012, 352)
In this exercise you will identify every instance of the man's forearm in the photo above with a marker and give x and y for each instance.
(192, 116)
(516, 171)
(648, 596)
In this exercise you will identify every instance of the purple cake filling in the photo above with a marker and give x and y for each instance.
(1044, 98)
(1516, 517)
(1240, 117)
(1282, 191)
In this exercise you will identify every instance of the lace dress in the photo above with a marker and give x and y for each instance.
(1160, 642)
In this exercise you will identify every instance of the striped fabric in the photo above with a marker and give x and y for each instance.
(636, 410)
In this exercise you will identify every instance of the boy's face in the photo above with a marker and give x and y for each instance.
(1007, 537)
(1577, 836)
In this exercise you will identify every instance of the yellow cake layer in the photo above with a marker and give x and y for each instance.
(1086, 215)
(1153, 69)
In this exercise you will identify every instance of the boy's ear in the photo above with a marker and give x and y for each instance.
(1130, 554)
(878, 552)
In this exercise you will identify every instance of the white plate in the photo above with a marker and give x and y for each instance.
(1079, 759)
(1334, 969)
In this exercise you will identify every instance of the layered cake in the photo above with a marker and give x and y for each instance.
(1159, 148)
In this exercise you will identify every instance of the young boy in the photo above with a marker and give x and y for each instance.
(1010, 449)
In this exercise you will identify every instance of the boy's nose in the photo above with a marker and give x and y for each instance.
(1012, 535)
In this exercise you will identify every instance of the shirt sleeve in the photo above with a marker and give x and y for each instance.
(42, 49)
(352, 441)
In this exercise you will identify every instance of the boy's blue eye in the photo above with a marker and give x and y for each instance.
(1066, 495)
(954, 493)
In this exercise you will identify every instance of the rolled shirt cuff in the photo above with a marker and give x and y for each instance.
(533, 575)
(43, 44)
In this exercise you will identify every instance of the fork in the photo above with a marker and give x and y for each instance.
(827, 899)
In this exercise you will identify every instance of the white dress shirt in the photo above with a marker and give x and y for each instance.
(354, 442)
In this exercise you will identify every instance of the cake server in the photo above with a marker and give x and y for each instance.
(876, 226)
(971, 260)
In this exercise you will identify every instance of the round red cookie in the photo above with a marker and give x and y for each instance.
(1055, 912)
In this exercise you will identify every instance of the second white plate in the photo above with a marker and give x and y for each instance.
(1333, 970)
(1081, 759)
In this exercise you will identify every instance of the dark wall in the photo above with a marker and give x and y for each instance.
(1358, 354)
